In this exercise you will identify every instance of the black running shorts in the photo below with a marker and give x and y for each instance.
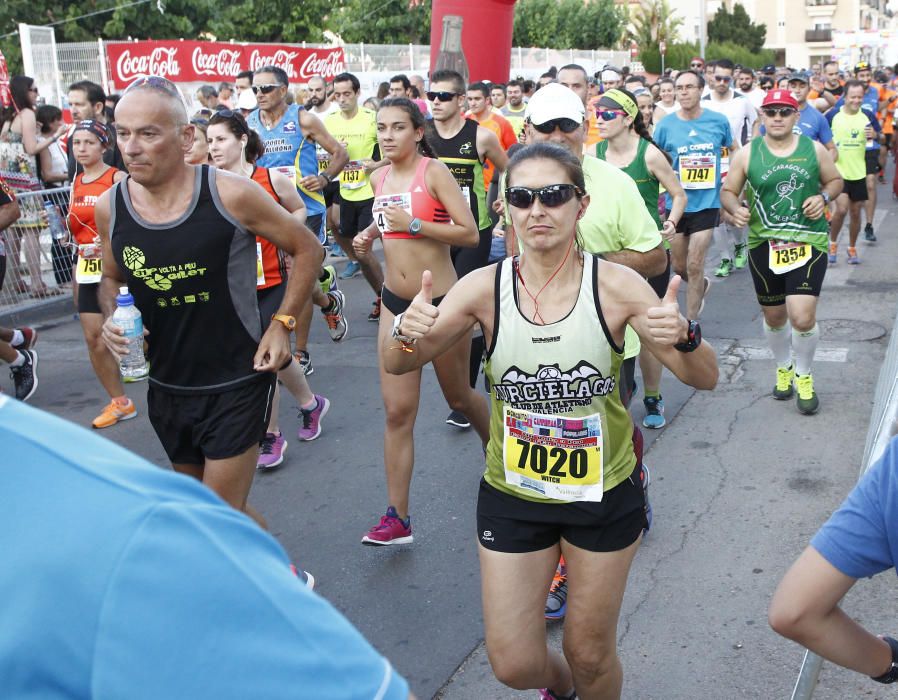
(855, 189)
(772, 289)
(659, 283)
(871, 158)
(506, 523)
(355, 217)
(695, 221)
(89, 299)
(211, 426)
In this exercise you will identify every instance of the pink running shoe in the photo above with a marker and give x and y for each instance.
(390, 530)
(271, 451)
(311, 419)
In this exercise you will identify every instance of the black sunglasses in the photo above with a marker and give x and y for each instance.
(223, 115)
(266, 89)
(156, 82)
(442, 96)
(567, 126)
(549, 196)
(778, 112)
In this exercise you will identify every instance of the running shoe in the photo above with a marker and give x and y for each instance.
(706, 286)
(330, 279)
(352, 269)
(645, 478)
(390, 530)
(740, 259)
(374, 316)
(833, 249)
(724, 269)
(785, 376)
(882, 178)
(654, 412)
(271, 450)
(556, 601)
(305, 362)
(459, 420)
(311, 419)
(307, 579)
(336, 321)
(337, 251)
(114, 413)
(29, 338)
(868, 233)
(546, 694)
(852, 257)
(807, 401)
(25, 376)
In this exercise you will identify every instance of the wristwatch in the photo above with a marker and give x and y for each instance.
(414, 227)
(288, 321)
(327, 178)
(397, 335)
(825, 196)
(891, 675)
(694, 338)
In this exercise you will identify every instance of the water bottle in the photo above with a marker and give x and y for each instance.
(127, 317)
(57, 229)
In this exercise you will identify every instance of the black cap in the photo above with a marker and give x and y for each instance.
(769, 68)
(801, 76)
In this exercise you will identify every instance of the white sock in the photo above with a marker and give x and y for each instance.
(17, 337)
(19, 361)
(805, 345)
(780, 342)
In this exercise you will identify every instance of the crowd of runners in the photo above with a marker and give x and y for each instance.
(574, 210)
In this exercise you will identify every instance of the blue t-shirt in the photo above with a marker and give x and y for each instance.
(861, 538)
(870, 107)
(124, 580)
(811, 123)
(695, 147)
(288, 151)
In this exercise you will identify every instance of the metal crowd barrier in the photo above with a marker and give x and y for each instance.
(38, 260)
(883, 427)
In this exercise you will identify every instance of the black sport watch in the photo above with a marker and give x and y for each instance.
(891, 675)
(693, 338)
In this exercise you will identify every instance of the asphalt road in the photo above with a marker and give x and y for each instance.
(740, 483)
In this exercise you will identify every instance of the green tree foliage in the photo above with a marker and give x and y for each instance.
(391, 22)
(654, 21)
(568, 24)
(736, 27)
(679, 55)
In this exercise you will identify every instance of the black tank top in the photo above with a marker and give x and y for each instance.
(194, 281)
(463, 160)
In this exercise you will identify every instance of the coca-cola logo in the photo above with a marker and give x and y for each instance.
(160, 61)
(280, 58)
(225, 62)
(327, 67)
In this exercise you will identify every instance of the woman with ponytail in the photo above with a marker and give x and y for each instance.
(628, 145)
(419, 213)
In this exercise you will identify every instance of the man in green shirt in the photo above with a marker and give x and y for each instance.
(853, 127)
(788, 179)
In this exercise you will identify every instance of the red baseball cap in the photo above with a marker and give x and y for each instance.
(780, 97)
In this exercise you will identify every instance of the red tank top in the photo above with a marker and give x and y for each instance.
(274, 262)
(418, 202)
(82, 223)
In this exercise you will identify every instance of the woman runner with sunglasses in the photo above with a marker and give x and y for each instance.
(419, 212)
(628, 145)
(561, 474)
(234, 147)
(88, 142)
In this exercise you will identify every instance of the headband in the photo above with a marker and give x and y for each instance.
(628, 105)
(93, 127)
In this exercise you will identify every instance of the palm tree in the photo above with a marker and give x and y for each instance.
(654, 21)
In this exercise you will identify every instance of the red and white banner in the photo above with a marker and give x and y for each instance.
(210, 61)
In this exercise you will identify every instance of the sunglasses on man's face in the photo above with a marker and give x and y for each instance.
(549, 196)
(567, 126)
(442, 96)
(723, 78)
(609, 115)
(265, 89)
(778, 111)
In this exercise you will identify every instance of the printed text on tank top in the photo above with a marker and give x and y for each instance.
(417, 202)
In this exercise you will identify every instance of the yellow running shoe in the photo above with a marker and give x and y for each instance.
(784, 378)
(807, 401)
(113, 413)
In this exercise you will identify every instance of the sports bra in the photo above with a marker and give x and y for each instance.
(418, 203)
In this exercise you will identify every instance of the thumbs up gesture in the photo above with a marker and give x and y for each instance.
(421, 314)
(665, 324)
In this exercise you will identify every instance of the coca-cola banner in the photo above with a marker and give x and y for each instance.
(210, 61)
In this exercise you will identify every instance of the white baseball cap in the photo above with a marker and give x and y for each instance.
(554, 101)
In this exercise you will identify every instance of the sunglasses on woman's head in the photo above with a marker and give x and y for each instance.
(567, 126)
(549, 196)
(609, 115)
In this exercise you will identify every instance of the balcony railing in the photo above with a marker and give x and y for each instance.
(818, 35)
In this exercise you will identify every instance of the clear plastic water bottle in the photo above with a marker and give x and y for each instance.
(127, 317)
(57, 228)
